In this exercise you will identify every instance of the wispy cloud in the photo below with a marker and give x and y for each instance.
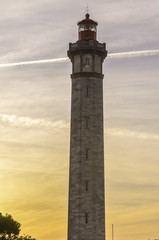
(133, 134)
(14, 120)
(29, 122)
(65, 59)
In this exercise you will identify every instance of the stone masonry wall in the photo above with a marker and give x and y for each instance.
(86, 220)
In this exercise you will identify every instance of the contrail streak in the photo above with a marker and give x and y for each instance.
(65, 59)
(134, 54)
(34, 62)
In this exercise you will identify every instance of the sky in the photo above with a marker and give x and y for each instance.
(35, 103)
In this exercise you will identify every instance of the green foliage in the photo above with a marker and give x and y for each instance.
(10, 229)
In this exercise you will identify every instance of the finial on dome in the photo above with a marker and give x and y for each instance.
(87, 9)
(87, 12)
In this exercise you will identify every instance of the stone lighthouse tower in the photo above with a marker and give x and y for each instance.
(86, 216)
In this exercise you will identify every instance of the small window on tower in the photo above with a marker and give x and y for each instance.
(87, 123)
(87, 91)
(86, 186)
(87, 62)
(87, 153)
(86, 218)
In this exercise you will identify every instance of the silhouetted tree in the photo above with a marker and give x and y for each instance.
(8, 226)
(10, 229)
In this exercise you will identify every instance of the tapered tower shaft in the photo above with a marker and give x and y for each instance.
(86, 216)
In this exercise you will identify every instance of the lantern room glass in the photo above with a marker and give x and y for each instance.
(87, 27)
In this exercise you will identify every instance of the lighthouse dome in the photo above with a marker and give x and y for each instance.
(87, 29)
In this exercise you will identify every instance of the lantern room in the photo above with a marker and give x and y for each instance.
(87, 29)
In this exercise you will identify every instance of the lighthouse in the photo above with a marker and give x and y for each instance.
(86, 210)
